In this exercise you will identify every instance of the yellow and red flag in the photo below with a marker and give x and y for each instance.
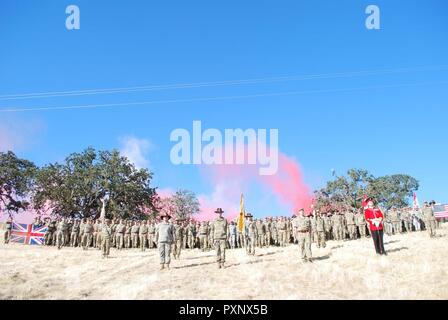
(240, 223)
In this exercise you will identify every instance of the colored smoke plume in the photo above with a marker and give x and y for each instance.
(230, 180)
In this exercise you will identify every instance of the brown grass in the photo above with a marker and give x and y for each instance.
(414, 269)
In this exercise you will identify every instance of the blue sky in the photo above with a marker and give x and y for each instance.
(385, 122)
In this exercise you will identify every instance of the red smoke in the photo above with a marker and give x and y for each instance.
(229, 181)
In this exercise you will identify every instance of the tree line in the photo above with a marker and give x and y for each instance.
(75, 187)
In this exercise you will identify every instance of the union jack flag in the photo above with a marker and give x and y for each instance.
(28, 234)
(441, 211)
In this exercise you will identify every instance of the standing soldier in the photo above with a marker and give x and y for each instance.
(106, 231)
(87, 236)
(416, 219)
(143, 235)
(8, 230)
(320, 228)
(302, 226)
(268, 229)
(191, 232)
(336, 226)
(209, 237)
(281, 225)
(395, 219)
(95, 233)
(179, 235)
(409, 219)
(274, 232)
(184, 239)
(51, 228)
(127, 235)
(361, 223)
(219, 232)
(113, 227)
(134, 233)
(74, 234)
(196, 237)
(351, 224)
(99, 227)
(60, 233)
(232, 235)
(289, 231)
(151, 234)
(313, 228)
(81, 231)
(251, 234)
(260, 231)
(165, 236)
(203, 231)
(388, 226)
(327, 224)
(430, 219)
(119, 235)
(240, 240)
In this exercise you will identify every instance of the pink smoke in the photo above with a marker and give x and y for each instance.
(229, 181)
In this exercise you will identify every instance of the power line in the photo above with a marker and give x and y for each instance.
(54, 94)
(143, 103)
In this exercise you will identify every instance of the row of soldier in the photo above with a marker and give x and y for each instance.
(271, 231)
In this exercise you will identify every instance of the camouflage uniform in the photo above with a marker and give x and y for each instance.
(313, 230)
(191, 233)
(134, 235)
(320, 229)
(165, 236)
(328, 226)
(151, 235)
(395, 219)
(203, 231)
(119, 235)
(8, 230)
(74, 234)
(87, 236)
(251, 236)
(219, 232)
(61, 233)
(282, 225)
(106, 235)
(127, 235)
(302, 226)
(179, 235)
(430, 220)
(361, 223)
(275, 232)
(351, 224)
(143, 235)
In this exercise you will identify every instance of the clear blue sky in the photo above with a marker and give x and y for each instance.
(400, 127)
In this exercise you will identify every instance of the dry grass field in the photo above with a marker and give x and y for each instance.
(414, 269)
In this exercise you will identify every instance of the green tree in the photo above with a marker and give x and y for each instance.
(348, 191)
(181, 205)
(16, 182)
(76, 186)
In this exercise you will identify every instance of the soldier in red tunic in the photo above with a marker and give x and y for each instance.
(375, 218)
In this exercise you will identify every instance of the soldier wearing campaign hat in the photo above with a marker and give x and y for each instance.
(165, 236)
(219, 232)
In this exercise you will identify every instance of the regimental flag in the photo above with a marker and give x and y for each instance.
(240, 222)
(28, 234)
(441, 211)
(416, 204)
(364, 201)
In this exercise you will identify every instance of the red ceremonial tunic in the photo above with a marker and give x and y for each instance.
(372, 214)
